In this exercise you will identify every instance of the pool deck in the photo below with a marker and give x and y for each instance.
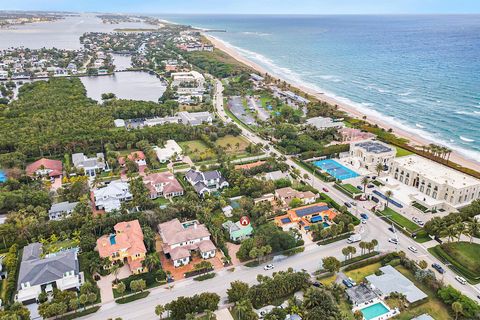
(390, 314)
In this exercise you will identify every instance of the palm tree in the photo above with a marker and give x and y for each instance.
(152, 261)
(473, 228)
(461, 228)
(457, 308)
(379, 168)
(451, 232)
(159, 310)
(364, 182)
(242, 308)
(346, 252)
(388, 194)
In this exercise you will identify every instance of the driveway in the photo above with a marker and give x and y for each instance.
(105, 283)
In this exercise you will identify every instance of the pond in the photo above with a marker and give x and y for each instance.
(132, 85)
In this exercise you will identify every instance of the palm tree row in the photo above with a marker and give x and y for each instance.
(438, 151)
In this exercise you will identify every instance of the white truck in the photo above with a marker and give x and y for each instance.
(354, 238)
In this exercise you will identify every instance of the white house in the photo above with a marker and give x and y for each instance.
(90, 165)
(61, 210)
(368, 154)
(60, 270)
(171, 149)
(110, 198)
(179, 240)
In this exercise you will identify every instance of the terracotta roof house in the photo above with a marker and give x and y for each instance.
(248, 166)
(125, 245)
(286, 195)
(180, 239)
(137, 156)
(307, 215)
(60, 270)
(206, 182)
(163, 184)
(45, 167)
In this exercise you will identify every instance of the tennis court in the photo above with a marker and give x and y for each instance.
(335, 169)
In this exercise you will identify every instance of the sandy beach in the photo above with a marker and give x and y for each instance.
(413, 138)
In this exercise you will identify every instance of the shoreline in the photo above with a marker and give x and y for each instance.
(413, 138)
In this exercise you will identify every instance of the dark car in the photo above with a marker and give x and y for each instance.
(375, 199)
(348, 205)
(316, 284)
(438, 267)
(391, 229)
(364, 216)
(359, 187)
(370, 186)
(347, 283)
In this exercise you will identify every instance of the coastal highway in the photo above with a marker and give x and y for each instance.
(309, 260)
(380, 229)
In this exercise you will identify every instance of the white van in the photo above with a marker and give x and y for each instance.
(461, 280)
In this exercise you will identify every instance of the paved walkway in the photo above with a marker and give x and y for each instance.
(105, 283)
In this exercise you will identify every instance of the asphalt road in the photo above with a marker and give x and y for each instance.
(310, 259)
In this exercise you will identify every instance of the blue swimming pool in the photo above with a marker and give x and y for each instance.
(375, 310)
(335, 169)
(3, 176)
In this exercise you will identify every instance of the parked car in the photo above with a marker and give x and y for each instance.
(348, 205)
(393, 240)
(347, 283)
(325, 189)
(375, 199)
(352, 282)
(461, 280)
(413, 249)
(363, 221)
(421, 223)
(364, 216)
(353, 203)
(316, 284)
(370, 186)
(391, 229)
(438, 267)
(268, 267)
(360, 188)
(414, 219)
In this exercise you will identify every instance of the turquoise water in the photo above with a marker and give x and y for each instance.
(420, 73)
(373, 311)
(335, 169)
(3, 176)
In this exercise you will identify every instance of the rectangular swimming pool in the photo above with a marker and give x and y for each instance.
(335, 169)
(375, 310)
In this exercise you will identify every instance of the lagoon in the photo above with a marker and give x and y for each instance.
(132, 85)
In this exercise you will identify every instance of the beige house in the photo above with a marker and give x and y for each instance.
(368, 154)
(287, 194)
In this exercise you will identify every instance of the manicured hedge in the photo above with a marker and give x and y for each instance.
(80, 313)
(454, 264)
(133, 297)
(205, 277)
(335, 239)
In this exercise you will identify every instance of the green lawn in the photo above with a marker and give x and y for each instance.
(59, 245)
(358, 275)
(463, 257)
(401, 220)
(402, 152)
(161, 201)
(350, 188)
(197, 150)
(465, 252)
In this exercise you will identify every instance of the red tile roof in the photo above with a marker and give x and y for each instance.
(55, 166)
(128, 236)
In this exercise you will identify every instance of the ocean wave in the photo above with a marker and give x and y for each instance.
(365, 108)
(329, 77)
(376, 88)
(419, 126)
(468, 113)
(466, 139)
(408, 100)
(404, 94)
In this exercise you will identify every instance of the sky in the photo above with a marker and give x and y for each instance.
(250, 6)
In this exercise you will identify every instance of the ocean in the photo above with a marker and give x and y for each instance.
(420, 73)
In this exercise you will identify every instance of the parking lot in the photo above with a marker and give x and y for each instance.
(235, 104)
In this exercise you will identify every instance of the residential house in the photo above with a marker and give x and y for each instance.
(119, 123)
(368, 154)
(59, 270)
(277, 175)
(322, 123)
(137, 156)
(306, 215)
(163, 184)
(238, 231)
(170, 151)
(206, 182)
(45, 167)
(110, 197)
(61, 210)
(195, 118)
(180, 239)
(287, 194)
(124, 246)
(90, 165)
